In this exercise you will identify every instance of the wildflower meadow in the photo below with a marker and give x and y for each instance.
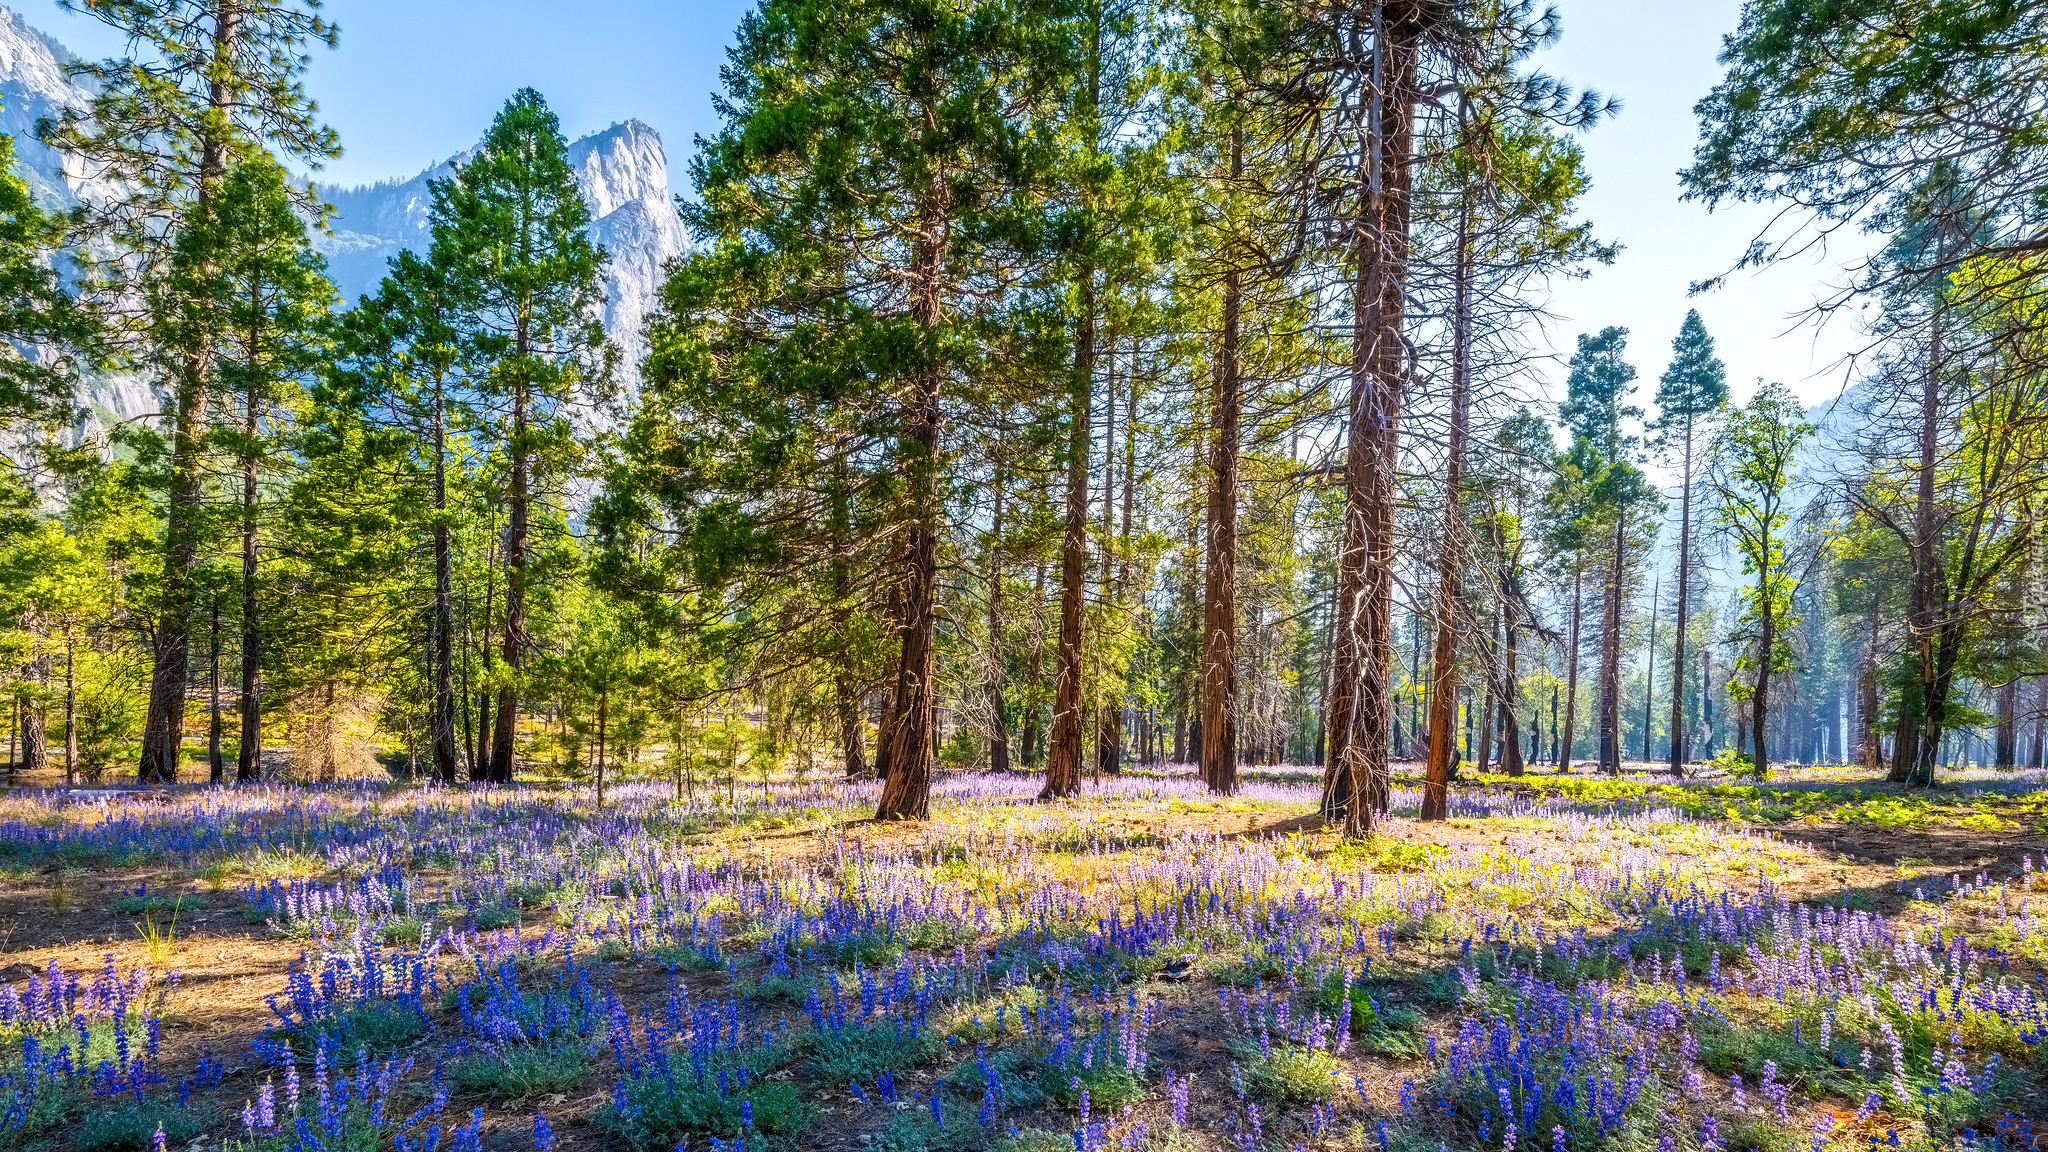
(1566, 965)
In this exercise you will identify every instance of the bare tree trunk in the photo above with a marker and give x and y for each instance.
(35, 740)
(1063, 765)
(1450, 571)
(516, 531)
(1684, 608)
(443, 719)
(481, 768)
(2039, 751)
(1510, 716)
(71, 708)
(1355, 782)
(2006, 750)
(1571, 676)
(1109, 735)
(1650, 673)
(249, 757)
(1917, 742)
(216, 767)
(1610, 657)
(1034, 669)
(1218, 767)
(912, 757)
(604, 700)
(999, 709)
(1760, 695)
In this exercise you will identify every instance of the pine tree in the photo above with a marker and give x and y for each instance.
(858, 204)
(398, 362)
(1689, 393)
(243, 273)
(215, 81)
(43, 332)
(528, 279)
(1594, 407)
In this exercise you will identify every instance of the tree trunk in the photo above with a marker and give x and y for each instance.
(999, 708)
(443, 719)
(1034, 670)
(1610, 657)
(35, 740)
(604, 700)
(1063, 765)
(2006, 751)
(2039, 751)
(1760, 692)
(1917, 744)
(249, 758)
(71, 708)
(163, 732)
(1109, 735)
(216, 767)
(1684, 607)
(516, 528)
(1650, 674)
(1510, 716)
(1450, 571)
(912, 756)
(1571, 679)
(1355, 784)
(1218, 766)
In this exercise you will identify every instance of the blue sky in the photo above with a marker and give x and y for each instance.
(416, 81)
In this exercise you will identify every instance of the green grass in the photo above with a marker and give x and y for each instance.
(858, 1053)
(147, 905)
(522, 1073)
(1291, 1074)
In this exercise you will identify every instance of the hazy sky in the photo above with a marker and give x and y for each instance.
(417, 80)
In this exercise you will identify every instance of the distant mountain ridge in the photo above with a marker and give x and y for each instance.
(621, 171)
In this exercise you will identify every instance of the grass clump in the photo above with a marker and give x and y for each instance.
(1292, 1074)
(142, 905)
(858, 1052)
(666, 1107)
(493, 919)
(379, 1027)
(522, 1073)
(916, 1131)
(130, 1127)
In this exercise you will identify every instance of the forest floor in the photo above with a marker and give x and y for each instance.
(1568, 963)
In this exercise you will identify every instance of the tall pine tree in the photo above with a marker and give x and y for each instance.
(528, 278)
(210, 82)
(1690, 392)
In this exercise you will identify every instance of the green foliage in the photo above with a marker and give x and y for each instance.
(666, 1109)
(858, 1052)
(126, 1126)
(1291, 1074)
(522, 1073)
